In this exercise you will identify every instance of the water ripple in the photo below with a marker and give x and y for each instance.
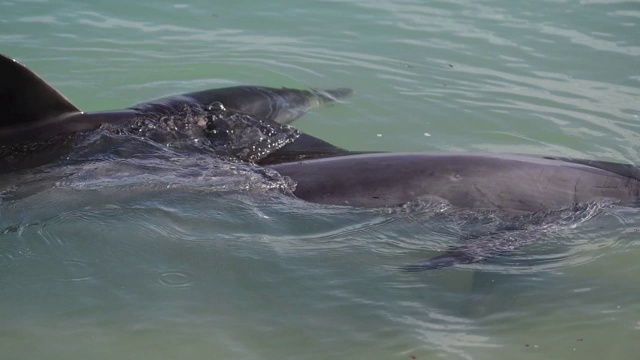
(75, 270)
(7, 260)
(176, 278)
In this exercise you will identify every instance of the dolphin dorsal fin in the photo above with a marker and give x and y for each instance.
(25, 98)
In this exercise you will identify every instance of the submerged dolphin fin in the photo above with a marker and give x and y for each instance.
(25, 98)
(449, 259)
(479, 248)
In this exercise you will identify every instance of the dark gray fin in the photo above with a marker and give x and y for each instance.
(26, 99)
(281, 105)
(626, 170)
(479, 248)
(31, 111)
(305, 147)
(449, 259)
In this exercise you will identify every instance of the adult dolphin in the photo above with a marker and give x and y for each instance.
(32, 111)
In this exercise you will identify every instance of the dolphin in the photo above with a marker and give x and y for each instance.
(514, 185)
(33, 112)
(526, 190)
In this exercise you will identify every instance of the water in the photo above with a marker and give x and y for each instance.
(225, 267)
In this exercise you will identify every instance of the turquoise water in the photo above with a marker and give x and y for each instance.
(101, 269)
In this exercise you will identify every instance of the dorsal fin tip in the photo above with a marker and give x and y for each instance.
(26, 98)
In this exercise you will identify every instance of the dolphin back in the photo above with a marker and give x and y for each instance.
(283, 105)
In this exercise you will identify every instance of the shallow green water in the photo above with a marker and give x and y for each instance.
(190, 275)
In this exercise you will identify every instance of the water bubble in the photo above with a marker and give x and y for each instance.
(216, 106)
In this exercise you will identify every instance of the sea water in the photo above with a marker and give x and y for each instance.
(116, 262)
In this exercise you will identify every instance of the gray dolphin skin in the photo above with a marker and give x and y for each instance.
(510, 185)
(507, 183)
(513, 185)
(33, 111)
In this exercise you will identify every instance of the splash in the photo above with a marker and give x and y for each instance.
(214, 129)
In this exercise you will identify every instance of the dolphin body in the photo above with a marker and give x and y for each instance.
(512, 184)
(32, 111)
(527, 192)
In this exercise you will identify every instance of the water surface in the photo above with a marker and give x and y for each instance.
(160, 264)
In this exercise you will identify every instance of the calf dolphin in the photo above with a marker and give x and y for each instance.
(525, 190)
(34, 112)
(512, 184)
